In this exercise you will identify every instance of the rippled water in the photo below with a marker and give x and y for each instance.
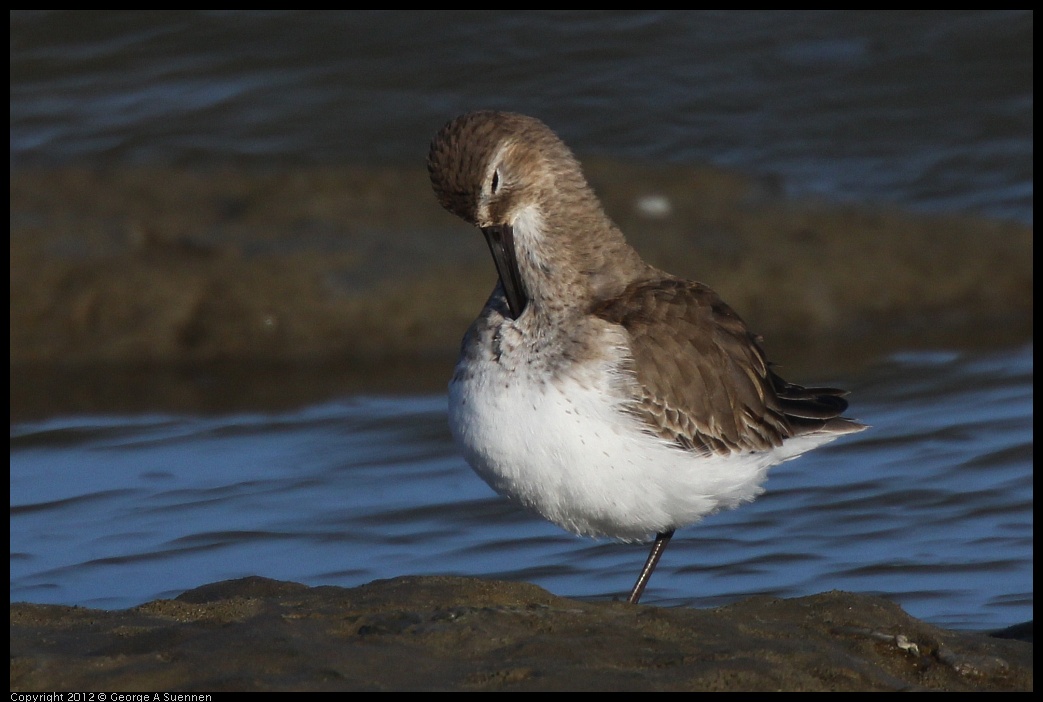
(927, 110)
(930, 110)
(931, 508)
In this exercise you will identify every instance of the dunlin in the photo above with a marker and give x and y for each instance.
(610, 397)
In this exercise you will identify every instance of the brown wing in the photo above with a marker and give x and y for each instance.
(704, 379)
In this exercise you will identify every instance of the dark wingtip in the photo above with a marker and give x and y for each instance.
(814, 409)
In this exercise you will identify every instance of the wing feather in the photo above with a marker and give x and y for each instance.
(703, 379)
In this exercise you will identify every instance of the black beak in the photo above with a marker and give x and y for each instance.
(501, 244)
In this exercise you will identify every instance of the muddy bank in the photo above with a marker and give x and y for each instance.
(162, 268)
(425, 633)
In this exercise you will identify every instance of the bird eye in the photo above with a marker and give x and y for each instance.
(496, 181)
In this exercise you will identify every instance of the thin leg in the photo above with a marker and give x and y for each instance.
(661, 540)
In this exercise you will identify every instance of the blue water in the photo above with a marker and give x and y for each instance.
(931, 508)
(928, 110)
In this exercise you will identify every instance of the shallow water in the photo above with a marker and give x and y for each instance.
(931, 508)
(926, 110)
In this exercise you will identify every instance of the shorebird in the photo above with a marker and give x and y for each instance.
(612, 398)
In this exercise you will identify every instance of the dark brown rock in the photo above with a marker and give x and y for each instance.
(139, 288)
(443, 633)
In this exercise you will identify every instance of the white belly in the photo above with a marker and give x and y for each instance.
(566, 449)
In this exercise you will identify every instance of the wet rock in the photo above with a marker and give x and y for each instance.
(447, 633)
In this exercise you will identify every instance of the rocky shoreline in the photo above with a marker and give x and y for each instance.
(448, 633)
(130, 268)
